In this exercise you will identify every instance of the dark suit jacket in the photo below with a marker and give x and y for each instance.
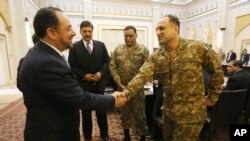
(82, 63)
(232, 57)
(245, 58)
(52, 96)
(240, 80)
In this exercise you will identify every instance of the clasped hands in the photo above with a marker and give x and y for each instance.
(92, 77)
(120, 99)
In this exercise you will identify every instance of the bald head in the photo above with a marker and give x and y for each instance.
(174, 21)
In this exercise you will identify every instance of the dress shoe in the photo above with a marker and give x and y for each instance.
(149, 136)
(126, 135)
(106, 139)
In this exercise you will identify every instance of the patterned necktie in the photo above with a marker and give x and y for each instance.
(88, 48)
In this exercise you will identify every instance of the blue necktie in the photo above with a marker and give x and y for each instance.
(88, 48)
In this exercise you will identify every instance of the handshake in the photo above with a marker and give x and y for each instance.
(120, 99)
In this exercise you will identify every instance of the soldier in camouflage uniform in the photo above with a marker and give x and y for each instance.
(180, 64)
(125, 63)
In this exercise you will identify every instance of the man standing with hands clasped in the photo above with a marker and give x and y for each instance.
(180, 63)
(51, 93)
(125, 63)
(89, 60)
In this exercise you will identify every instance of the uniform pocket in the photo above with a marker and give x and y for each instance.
(188, 69)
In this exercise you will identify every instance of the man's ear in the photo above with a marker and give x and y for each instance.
(81, 32)
(176, 28)
(51, 32)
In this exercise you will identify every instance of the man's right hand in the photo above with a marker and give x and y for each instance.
(120, 99)
(89, 77)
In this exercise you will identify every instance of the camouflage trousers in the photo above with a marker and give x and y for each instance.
(133, 114)
(172, 131)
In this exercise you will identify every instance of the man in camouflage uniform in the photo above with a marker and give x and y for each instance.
(180, 64)
(125, 63)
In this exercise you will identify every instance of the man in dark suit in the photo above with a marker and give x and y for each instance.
(239, 80)
(244, 57)
(51, 94)
(89, 60)
(231, 56)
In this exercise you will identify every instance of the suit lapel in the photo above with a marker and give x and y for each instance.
(83, 48)
(82, 52)
(95, 49)
(51, 51)
(44, 46)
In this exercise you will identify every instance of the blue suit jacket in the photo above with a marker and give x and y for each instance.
(52, 96)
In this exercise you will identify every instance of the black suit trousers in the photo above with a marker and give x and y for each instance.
(87, 125)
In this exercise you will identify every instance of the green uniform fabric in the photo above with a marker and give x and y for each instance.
(182, 79)
(124, 65)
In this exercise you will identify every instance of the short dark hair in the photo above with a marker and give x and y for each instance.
(35, 38)
(130, 27)
(237, 63)
(173, 19)
(45, 18)
(86, 24)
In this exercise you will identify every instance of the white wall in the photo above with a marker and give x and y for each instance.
(16, 40)
(232, 42)
(5, 71)
(6, 55)
(198, 16)
(144, 30)
(238, 42)
(110, 16)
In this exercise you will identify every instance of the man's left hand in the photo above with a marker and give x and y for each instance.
(98, 76)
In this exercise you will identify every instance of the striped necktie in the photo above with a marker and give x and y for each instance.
(88, 48)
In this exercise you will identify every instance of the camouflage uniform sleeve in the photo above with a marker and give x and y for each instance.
(146, 54)
(137, 83)
(113, 69)
(213, 67)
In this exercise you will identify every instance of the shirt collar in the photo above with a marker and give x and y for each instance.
(57, 50)
(85, 42)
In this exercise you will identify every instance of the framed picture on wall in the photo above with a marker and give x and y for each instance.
(113, 35)
(245, 44)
